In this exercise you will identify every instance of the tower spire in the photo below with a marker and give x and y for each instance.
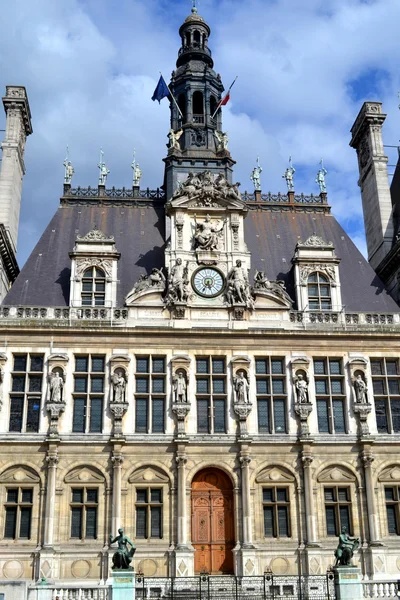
(194, 7)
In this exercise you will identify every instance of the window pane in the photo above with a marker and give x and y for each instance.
(279, 416)
(16, 407)
(218, 365)
(86, 300)
(99, 273)
(158, 365)
(77, 495)
(395, 406)
(263, 416)
(155, 525)
(91, 522)
(219, 386)
(202, 386)
(345, 517)
(319, 367)
(11, 523)
(20, 362)
(36, 363)
(283, 521)
(389, 493)
(277, 366)
(96, 415)
(141, 415)
(78, 424)
(267, 495)
(141, 496)
(281, 495)
(325, 291)
(25, 522)
(269, 529)
(157, 415)
(335, 367)
(142, 385)
(76, 523)
(202, 365)
(376, 367)
(278, 386)
(391, 519)
(142, 364)
(261, 366)
(378, 386)
(92, 496)
(326, 305)
(343, 495)
(391, 367)
(18, 383)
(12, 495)
(381, 416)
(80, 385)
(329, 494)
(313, 278)
(98, 364)
(322, 413)
(202, 416)
(336, 386)
(81, 364)
(313, 290)
(313, 305)
(156, 496)
(141, 522)
(87, 285)
(219, 416)
(100, 285)
(158, 386)
(330, 520)
(338, 416)
(262, 386)
(394, 386)
(97, 385)
(321, 386)
(33, 415)
(35, 384)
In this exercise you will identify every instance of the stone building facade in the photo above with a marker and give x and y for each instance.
(218, 373)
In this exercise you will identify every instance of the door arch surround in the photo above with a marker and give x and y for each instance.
(213, 532)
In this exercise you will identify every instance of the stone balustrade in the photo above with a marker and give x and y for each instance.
(98, 592)
(380, 589)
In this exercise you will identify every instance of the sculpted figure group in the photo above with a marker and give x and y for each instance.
(205, 187)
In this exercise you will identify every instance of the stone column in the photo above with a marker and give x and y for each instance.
(117, 460)
(311, 524)
(247, 541)
(181, 461)
(52, 462)
(367, 460)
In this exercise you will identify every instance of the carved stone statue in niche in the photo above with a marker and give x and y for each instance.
(238, 290)
(241, 387)
(119, 386)
(207, 236)
(179, 387)
(360, 388)
(56, 387)
(301, 389)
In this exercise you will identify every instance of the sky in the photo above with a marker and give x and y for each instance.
(304, 69)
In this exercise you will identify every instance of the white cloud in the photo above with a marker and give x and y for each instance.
(90, 69)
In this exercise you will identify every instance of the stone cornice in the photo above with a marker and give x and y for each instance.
(16, 98)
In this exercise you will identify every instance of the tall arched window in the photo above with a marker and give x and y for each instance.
(196, 39)
(93, 287)
(182, 105)
(213, 104)
(198, 107)
(319, 292)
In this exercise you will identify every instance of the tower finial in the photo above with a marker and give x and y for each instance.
(194, 7)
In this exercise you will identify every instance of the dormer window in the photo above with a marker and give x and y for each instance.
(319, 292)
(93, 287)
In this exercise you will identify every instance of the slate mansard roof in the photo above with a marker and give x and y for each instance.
(139, 233)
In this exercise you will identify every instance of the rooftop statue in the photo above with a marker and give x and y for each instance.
(137, 171)
(256, 176)
(103, 169)
(320, 179)
(122, 557)
(222, 140)
(174, 137)
(288, 175)
(69, 170)
(346, 547)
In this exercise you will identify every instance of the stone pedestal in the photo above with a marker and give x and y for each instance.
(123, 585)
(348, 583)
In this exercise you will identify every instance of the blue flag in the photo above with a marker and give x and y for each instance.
(161, 90)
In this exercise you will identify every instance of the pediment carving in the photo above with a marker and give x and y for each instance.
(19, 474)
(391, 474)
(149, 475)
(336, 474)
(84, 475)
(59, 358)
(275, 475)
(147, 285)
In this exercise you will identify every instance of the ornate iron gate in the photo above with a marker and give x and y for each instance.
(231, 587)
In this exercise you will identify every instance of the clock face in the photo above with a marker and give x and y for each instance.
(208, 282)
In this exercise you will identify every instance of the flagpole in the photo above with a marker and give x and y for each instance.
(173, 97)
(220, 103)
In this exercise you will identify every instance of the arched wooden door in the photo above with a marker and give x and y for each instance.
(212, 522)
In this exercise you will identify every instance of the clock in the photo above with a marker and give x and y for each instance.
(208, 282)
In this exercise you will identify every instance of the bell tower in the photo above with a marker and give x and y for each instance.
(197, 141)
